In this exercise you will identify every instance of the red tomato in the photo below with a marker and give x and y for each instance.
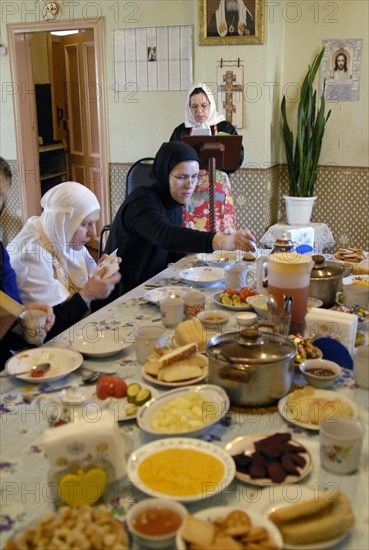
(37, 373)
(231, 291)
(110, 386)
(245, 292)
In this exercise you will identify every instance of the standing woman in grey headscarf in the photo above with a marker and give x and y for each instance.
(50, 259)
(200, 112)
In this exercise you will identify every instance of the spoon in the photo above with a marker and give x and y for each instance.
(42, 367)
(271, 303)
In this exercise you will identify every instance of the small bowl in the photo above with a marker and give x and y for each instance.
(258, 303)
(213, 317)
(246, 318)
(319, 380)
(152, 504)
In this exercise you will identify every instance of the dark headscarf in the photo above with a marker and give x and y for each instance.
(167, 157)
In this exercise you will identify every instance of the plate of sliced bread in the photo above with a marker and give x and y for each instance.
(181, 366)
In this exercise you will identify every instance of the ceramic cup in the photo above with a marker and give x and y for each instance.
(148, 338)
(171, 311)
(361, 366)
(194, 302)
(341, 440)
(354, 295)
(33, 323)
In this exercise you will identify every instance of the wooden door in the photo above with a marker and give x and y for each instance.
(81, 113)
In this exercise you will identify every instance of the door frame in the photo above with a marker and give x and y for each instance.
(30, 200)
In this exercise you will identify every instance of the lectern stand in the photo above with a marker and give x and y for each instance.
(216, 153)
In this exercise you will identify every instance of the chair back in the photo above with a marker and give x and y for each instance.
(105, 229)
(138, 174)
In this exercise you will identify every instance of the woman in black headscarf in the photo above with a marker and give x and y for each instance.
(147, 228)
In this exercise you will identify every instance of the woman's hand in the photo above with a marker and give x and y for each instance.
(98, 288)
(50, 317)
(243, 239)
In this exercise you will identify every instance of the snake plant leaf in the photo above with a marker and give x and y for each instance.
(303, 156)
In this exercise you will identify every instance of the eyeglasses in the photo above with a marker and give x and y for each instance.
(183, 180)
(202, 106)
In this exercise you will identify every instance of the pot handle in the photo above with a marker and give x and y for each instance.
(236, 374)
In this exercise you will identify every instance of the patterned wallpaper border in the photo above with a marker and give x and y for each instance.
(342, 200)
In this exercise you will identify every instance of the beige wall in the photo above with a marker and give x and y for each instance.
(293, 35)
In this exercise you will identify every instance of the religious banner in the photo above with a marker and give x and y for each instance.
(340, 68)
(230, 98)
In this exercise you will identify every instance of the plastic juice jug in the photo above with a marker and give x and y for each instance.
(289, 274)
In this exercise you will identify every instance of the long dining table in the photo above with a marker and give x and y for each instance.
(24, 465)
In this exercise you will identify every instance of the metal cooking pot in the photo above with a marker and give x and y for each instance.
(325, 280)
(255, 367)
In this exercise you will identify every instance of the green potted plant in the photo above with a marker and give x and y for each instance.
(303, 155)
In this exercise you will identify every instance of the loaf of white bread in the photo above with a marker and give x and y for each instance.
(191, 331)
(176, 365)
(326, 517)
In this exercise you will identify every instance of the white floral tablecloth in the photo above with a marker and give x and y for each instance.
(24, 468)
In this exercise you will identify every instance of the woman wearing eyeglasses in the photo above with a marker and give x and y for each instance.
(200, 112)
(147, 228)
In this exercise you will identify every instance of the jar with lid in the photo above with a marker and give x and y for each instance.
(283, 244)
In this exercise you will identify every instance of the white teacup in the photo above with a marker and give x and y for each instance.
(361, 366)
(341, 440)
(354, 294)
(171, 311)
(148, 338)
(33, 323)
(194, 302)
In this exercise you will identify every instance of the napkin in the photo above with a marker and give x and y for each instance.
(333, 324)
(87, 442)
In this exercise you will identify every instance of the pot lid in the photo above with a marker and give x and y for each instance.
(251, 346)
(323, 269)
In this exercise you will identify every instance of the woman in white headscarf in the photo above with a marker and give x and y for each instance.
(49, 256)
(200, 112)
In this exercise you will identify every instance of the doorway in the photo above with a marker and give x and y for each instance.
(90, 154)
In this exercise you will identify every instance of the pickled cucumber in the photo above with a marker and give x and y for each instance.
(132, 392)
(226, 300)
(142, 397)
(131, 410)
(236, 300)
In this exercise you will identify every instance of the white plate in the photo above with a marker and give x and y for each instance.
(217, 401)
(211, 514)
(157, 294)
(63, 361)
(118, 406)
(351, 278)
(327, 394)
(243, 307)
(314, 302)
(270, 501)
(144, 452)
(154, 380)
(246, 445)
(202, 276)
(102, 339)
(218, 258)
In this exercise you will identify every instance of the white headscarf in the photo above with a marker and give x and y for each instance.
(52, 278)
(213, 118)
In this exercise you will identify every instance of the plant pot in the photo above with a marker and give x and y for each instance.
(299, 209)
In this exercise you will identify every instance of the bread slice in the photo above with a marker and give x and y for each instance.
(178, 373)
(191, 331)
(177, 354)
(152, 368)
(197, 531)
